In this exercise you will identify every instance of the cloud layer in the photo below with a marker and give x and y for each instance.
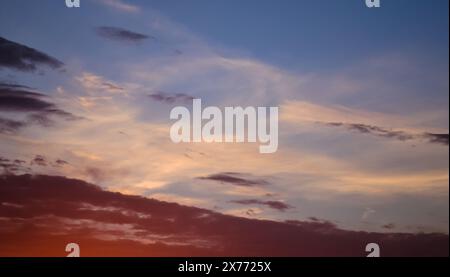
(40, 214)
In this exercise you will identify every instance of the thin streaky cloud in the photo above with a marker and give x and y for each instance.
(121, 34)
(394, 134)
(120, 6)
(235, 179)
(169, 98)
(98, 84)
(276, 205)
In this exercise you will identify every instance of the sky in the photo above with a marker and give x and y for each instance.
(362, 94)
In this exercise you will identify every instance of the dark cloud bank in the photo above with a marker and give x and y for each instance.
(40, 214)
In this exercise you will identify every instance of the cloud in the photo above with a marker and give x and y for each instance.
(388, 226)
(234, 178)
(120, 6)
(437, 138)
(18, 166)
(36, 107)
(314, 225)
(9, 126)
(95, 84)
(95, 173)
(39, 160)
(120, 34)
(60, 162)
(301, 112)
(22, 101)
(385, 133)
(12, 166)
(40, 214)
(276, 205)
(374, 130)
(20, 57)
(14, 85)
(17, 98)
(170, 98)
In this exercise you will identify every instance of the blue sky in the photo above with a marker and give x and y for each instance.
(316, 35)
(299, 34)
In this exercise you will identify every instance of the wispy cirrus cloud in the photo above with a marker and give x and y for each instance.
(96, 84)
(17, 56)
(120, 6)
